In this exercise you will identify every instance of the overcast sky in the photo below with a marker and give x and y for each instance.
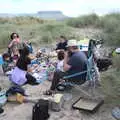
(68, 7)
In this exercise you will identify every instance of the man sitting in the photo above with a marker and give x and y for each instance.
(75, 61)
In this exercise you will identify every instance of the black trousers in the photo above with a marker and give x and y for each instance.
(30, 79)
(56, 78)
(59, 75)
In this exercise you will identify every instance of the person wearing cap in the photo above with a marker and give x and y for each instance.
(75, 61)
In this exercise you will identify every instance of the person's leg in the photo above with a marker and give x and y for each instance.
(57, 76)
(78, 80)
(30, 79)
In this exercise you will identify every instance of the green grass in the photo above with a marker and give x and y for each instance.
(43, 31)
(110, 81)
(83, 21)
(110, 25)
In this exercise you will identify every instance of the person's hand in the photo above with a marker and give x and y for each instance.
(57, 51)
(35, 65)
(13, 41)
(66, 54)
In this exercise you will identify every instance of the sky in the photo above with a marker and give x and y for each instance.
(71, 8)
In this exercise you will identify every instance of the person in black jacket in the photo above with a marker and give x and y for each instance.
(20, 75)
(62, 43)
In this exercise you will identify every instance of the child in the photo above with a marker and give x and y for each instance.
(60, 60)
(29, 45)
(59, 65)
(7, 65)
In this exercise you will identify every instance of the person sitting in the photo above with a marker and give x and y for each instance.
(14, 43)
(62, 44)
(74, 63)
(7, 65)
(60, 61)
(57, 65)
(20, 75)
(29, 45)
(39, 54)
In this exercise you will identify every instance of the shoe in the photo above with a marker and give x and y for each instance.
(48, 92)
(2, 113)
(1, 110)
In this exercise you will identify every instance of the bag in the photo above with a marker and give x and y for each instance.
(3, 98)
(40, 110)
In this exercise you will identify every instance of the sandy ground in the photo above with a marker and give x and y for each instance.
(15, 111)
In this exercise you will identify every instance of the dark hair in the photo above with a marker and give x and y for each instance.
(5, 55)
(24, 51)
(61, 55)
(12, 36)
(63, 37)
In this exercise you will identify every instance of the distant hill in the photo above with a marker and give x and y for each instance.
(54, 15)
(57, 15)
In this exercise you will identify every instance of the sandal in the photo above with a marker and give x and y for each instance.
(48, 92)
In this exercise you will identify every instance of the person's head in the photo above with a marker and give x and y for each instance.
(14, 36)
(6, 56)
(39, 53)
(61, 55)
(72, 45)
(24, 52)
(27, 42)
(62, 38)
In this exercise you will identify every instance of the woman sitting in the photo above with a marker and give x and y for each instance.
(20, 75)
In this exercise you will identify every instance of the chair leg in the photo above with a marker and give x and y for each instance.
(83, 91)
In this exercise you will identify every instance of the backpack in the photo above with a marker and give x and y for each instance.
(40, 110)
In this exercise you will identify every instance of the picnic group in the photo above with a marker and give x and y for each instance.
(23, 65)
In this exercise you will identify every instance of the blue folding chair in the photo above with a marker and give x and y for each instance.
(90, 72)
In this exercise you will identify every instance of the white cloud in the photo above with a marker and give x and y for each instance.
(69, 7)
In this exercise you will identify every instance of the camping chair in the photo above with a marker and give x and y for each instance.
(91, 71)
